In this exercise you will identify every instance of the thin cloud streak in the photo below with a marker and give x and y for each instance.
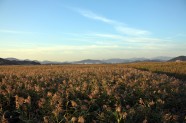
(118, 26)
(94, 16)
(131, 31)
(121, 38)
(62, 48)
(114, 38)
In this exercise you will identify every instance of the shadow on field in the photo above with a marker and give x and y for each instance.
(176, 75)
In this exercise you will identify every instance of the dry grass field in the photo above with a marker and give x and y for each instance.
(174, 69)
(93, 93)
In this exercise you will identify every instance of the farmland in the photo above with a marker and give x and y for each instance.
(175, 69)
(92, 93)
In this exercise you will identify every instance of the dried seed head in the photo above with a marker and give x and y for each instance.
(46, 119)
(151, 103)
(74, 119)
(81, 119)
(118, 109)
(74, 104)
(49, 94)
(160, 101)
(28, 100)
(124, 115)
(141, 101)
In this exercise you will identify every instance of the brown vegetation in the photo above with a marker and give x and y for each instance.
(174, 69)
(89, 93)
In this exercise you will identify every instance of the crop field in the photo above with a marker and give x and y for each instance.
(175, 69)
(92, 94)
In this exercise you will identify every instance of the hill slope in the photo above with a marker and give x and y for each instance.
(179, 58)
(89, 61)
(14, 62)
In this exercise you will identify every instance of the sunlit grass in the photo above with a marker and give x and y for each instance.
(175, 69)
(90, 93)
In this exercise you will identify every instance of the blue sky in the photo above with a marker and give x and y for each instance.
(68, 30)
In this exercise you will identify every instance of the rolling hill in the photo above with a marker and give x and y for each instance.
(179, 58)
(17, 62)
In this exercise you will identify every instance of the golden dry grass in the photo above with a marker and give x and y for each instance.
(175, 69)
(90, 93)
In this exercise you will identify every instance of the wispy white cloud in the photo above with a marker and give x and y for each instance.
(129, 39)
(61, 48)
(118, 26)
(94, 16)
(131, 31)
(109, 38)
(146, 40)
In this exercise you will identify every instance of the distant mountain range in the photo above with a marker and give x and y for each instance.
(15, 61)
(111, 61)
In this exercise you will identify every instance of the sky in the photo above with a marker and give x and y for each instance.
(70, 30)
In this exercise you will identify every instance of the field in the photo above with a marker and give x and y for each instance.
(175, 69)
(93, 93)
